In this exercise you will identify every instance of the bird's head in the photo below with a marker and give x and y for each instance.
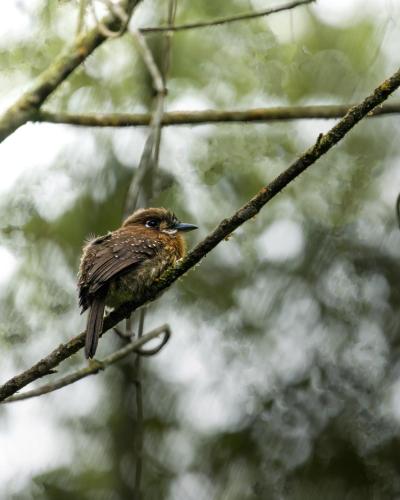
(158, 219)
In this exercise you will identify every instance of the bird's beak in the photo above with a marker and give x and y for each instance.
(182, 226)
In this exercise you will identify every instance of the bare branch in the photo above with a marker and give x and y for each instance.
(224, 229)
(229, 19)
(25, 108)
(148, 59)
(95, 365)
(258, 115)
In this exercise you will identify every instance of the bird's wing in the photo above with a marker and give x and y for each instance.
(108, 256)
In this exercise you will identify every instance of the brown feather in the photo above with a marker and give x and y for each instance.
(94, 325)
(122, 265)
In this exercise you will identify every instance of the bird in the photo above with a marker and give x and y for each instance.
(123, 264)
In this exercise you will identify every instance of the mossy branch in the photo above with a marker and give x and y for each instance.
(323, 143)
(27, 106)
(255, 115)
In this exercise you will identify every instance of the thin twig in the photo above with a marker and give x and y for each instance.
(229, 19)
(224, 229)
(148, 59)
(166, 59)
(95, 366)
(155, 350)
(280, 113)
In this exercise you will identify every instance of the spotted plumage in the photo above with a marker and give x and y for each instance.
(122, 265)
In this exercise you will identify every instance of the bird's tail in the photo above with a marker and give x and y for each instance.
(94, 325)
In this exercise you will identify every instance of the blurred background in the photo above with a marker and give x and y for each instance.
(282, 376)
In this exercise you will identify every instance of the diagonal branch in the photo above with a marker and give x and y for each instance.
(96, 365)
(323, 144)
(226, 20)
(25, 108)
(260, 115)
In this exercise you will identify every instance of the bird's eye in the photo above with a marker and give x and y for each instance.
(151, 223)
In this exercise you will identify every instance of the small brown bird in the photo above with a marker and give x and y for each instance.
(122, 265)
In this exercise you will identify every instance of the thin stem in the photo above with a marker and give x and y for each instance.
(228, 19)
(148, 59)
(256, 115)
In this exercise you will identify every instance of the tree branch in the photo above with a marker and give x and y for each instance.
(323, 144)
(229, 19)
(95, 365)
(25, 108)
(282, 113)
